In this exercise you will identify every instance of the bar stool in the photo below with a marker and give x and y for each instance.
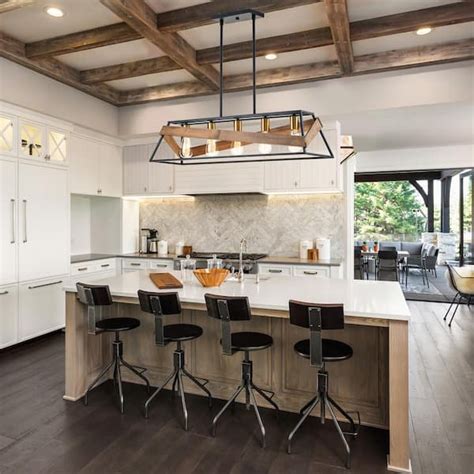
(236, 308)
(96, 297)
(319, 351)
(160, 305)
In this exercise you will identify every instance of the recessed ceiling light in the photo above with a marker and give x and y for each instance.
(54, 11)
(423, 31)
(271, 56)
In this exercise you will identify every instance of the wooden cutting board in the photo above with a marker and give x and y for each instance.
(165, 281)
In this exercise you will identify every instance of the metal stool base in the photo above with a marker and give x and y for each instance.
(326, 401)
(250, 400)
(177, 376)
(118, 362)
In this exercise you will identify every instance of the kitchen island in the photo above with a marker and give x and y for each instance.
(374, 381)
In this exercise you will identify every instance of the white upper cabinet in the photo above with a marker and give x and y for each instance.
(8, 221)
(32, 136)
(95, 167)
(141, 177)
(8, 134)
(57, 146)
(281, 176)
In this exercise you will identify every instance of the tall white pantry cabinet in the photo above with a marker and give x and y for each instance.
(34, 226)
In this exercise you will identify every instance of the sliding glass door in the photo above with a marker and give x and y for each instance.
(466, 211)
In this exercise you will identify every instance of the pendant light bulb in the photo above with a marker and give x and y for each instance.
(186, 148)
(295, 132)
(237, 148)
(265, 148)
(211, 148)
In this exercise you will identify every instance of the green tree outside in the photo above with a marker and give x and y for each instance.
(388, 210)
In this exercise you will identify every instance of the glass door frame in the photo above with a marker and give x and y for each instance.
(466, 175)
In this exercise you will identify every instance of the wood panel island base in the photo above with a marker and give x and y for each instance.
(374, 381)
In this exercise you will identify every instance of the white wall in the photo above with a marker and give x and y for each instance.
(26, 88)
(456, 156)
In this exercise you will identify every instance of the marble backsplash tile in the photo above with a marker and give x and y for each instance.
(271, 224)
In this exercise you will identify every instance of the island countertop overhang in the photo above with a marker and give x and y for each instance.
(361, 299)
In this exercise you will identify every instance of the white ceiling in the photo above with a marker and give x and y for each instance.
(364, 9)
(421, 126)
(166, 5)
(276, 23)
(442, 34)
(149, 80)
(33, 24)
(113, 54)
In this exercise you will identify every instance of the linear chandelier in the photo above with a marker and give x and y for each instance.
(272, 136)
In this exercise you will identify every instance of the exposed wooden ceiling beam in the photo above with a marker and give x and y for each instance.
(274, 44)
(14, 50)
(138, 15)
(421, 56)
(95, 38)
(205, 13)
(8, 5)
(267, 78)
(339, 23)
(366, 64)
(450, 14)
(126, 70)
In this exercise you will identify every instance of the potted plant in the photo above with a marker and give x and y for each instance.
(364, 246)
(376, 246)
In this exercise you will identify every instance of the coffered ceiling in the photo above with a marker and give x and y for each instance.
(135, 51)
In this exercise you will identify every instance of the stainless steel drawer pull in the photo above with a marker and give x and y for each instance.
(4, 293)
(161, 265)
(12, 202)
(135, 264)
(105, 265)
(45, 284)
(83, 269)
(310, 273)
(271, 270)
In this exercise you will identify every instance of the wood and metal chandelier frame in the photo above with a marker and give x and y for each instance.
(246, 137)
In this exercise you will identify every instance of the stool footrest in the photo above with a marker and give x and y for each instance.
(357, 424)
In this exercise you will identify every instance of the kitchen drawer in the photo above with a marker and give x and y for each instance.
(84, 268)
(134, 264)
(311, 271)
(277, 270)
(161, 265)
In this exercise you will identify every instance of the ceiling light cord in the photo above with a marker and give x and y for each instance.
(254, 64)
(221, 62)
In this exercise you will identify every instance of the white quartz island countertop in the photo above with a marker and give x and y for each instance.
(361, 298)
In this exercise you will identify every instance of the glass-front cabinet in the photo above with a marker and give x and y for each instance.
(32, 140)
(7, 134)
(57, 146)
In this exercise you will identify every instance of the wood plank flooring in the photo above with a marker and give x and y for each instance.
(41, 433)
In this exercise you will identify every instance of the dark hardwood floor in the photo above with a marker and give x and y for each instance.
(41, 433)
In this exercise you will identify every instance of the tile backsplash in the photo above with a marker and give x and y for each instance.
(271, 224)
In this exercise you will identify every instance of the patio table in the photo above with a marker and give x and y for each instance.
(371, 253)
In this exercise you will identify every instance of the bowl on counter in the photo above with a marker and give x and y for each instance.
(211, 277)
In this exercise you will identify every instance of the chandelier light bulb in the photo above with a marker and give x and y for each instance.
(186, 148)
(211, 148)
(237, 148)
(265, 148)
(295, 132)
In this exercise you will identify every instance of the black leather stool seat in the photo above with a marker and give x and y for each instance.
(250, 341)
(181, 332)
(332, 350)
(117, 324)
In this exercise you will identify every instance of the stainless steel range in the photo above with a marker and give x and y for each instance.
(229, 260)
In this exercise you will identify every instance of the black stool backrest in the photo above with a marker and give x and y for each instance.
(94, 295)
(159, 304)
(316, 317)
(227, 309)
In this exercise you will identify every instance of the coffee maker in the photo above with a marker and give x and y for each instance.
(148, 241)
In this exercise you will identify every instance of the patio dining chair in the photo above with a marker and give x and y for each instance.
(360, 263)
(416, 262)
(387, 265)
(430, 261)
(464, 291)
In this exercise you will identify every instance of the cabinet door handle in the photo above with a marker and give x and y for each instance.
(45, 284)
(105, 265)
(83, 269)
(12, 202)
(306, 272)
(4, 293)
(161, 265)
(25, 235)
(135, 264)
(271, 270)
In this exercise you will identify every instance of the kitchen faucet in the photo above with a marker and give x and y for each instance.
(243, 247)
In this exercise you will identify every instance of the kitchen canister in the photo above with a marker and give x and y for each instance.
(305, 245)
(178, 248)
(324, 248)
(162, 247)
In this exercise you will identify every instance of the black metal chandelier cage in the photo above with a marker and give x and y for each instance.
(271, 136)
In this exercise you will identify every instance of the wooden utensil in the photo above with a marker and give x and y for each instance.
(187, 250)
(165, 281)
(313, 254)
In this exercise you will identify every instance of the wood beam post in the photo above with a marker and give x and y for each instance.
(445, 203)
(430, 205)
(139, 16)
(339, 23)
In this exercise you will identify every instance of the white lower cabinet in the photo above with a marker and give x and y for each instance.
(309, 271)
(134, 264)
(41, 307)
(161, 265)
(278, 270)
(8, 315)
